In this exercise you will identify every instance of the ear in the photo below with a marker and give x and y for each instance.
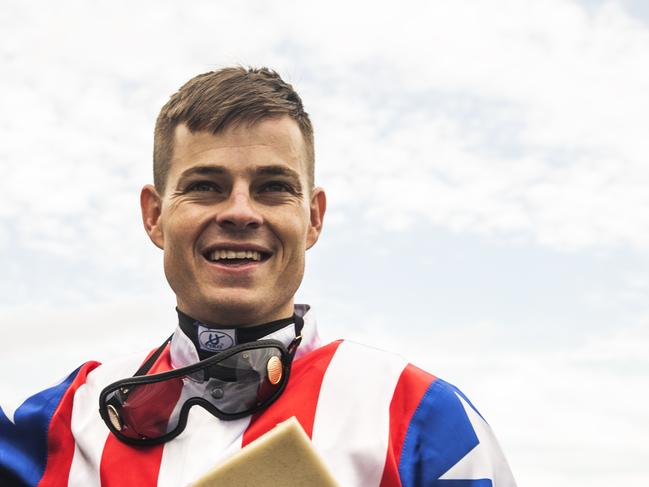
(317, 210)
(151, 205)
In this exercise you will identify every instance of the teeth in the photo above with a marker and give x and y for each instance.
(235, 254)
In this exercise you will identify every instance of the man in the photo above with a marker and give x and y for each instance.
(234, 209)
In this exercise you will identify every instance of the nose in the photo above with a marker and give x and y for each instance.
(238, 211)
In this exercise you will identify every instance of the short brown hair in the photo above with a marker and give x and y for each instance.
(217, 100)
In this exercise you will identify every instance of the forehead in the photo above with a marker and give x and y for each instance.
(241, 147)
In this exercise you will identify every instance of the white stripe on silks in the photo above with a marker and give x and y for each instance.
(352, 419)
(90, 432)
(89, 441)
(205, 442)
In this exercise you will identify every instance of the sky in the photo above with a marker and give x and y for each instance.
(486, 171)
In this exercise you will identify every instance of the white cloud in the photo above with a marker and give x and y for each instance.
(530, 125)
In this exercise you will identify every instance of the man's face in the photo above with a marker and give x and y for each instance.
(235, 220)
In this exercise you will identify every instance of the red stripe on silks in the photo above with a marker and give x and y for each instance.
(299, 399)
(124, 465)
(411, 387)
(60, 443)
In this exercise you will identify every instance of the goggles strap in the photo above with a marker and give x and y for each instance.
(144, 368)
(292, 348)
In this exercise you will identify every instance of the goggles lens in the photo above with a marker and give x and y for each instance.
(238, 382)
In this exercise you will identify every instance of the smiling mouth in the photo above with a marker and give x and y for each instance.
(236, 257)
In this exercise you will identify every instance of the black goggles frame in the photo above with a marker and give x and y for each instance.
(114, 389)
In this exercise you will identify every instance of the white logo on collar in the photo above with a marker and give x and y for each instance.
(214, 339)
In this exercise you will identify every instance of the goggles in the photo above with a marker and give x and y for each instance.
(153, 409)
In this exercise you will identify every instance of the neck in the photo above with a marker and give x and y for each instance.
(236, 318)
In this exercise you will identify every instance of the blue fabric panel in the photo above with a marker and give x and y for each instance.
(23, 445)
(465, 483)
(439, 435)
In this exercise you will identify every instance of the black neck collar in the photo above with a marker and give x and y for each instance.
(210, 339)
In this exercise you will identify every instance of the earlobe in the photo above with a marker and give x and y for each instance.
(151, 205)
(317, 210)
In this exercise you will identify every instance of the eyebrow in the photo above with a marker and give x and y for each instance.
(202, 171)
(278, 171)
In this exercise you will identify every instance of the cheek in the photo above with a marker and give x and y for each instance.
(175, 240)
(298, 237)
(183, 227)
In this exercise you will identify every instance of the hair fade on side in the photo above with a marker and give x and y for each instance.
(221, 99)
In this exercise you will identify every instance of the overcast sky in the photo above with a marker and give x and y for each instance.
(487, 177)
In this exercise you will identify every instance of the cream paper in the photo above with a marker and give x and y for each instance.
(282, 457)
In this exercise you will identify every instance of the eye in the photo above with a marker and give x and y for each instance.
(276, 186)
(202, 186)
